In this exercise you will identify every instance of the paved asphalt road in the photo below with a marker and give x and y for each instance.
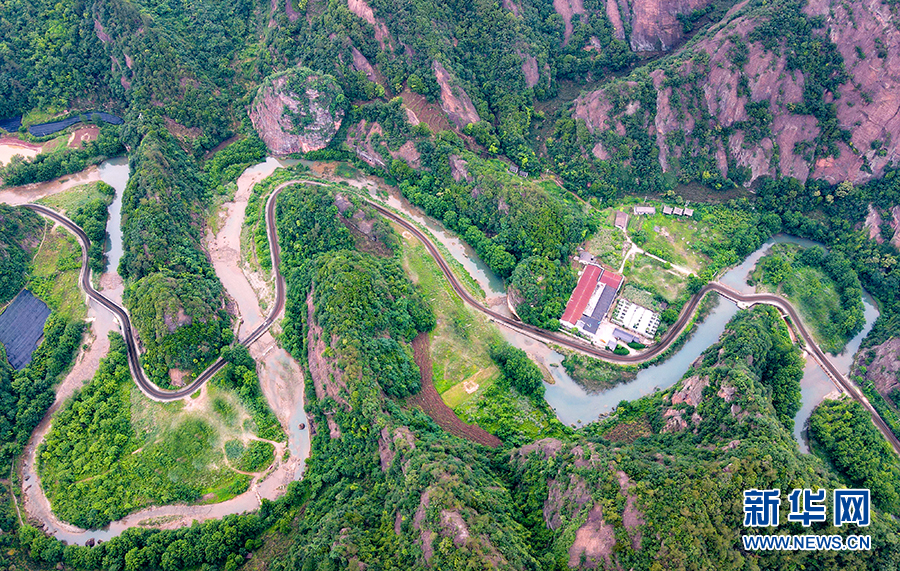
(152, 391)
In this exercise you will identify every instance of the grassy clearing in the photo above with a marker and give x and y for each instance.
(461, 392)
(461, 361)
(217, 417)
(674, 238)
(111, 451)
(55, 271)
(650, 275)
(252, 457)
(459, 342)
(509, 415)
(608, 245)
(346, 170)
(70, 200)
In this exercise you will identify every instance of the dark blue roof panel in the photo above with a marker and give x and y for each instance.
(12, 124)
(22, 327)
(45, 129)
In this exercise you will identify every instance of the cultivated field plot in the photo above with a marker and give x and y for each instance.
(674, 239)
(22, 327)
(650, 275)
(607, 245)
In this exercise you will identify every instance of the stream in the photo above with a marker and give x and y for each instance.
(280, 376)
(576, 406)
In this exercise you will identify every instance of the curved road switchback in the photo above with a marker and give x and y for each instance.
(148, 387)
(671, 335)
(154, 392)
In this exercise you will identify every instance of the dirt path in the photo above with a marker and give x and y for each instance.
(37, 507)
(431, 403)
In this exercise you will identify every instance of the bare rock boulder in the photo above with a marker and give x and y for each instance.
(298, 110)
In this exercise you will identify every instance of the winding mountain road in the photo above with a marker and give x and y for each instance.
(154, 392)
(671, 335)
(148, 387)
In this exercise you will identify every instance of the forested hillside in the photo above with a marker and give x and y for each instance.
(517, 124)
(173, 294)
(20, 233)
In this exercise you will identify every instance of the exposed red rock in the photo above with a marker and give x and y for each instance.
(873, 225)
(98, 28)
(567, 9)
(871, 113)
(362, 9)
(612, 12)
(512, 7)
(895, 224)
(654, 23)
(868, 106)
(454, 100)
(292, 14)
(297, 111)
(594, 541)
(530, 70)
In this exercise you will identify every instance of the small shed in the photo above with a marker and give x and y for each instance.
(667, 210)
(611, 344)
(679, 211)
(621, 220)
(688, 211)
(623, 335)
(648, 210)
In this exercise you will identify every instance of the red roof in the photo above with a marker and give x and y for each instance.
(612, 280)
(587, 283)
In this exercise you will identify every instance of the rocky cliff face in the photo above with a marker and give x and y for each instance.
(746, 101)
(455, 102)
(654, 23)
(298, 111)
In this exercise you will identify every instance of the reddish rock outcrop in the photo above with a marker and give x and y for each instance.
(362, 9)
(654, 23)
(454, 100)
(782, 142)
(530, 70)
(567, 9)
(298, 111)
(594, 541)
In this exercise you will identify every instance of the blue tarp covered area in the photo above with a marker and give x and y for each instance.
(22, 327)
(45, 129)
(12, 124)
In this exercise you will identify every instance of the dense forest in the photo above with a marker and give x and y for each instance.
(173, 294)
(857, 450)
(824, 287)
(472, 110)
(87, 464)
(20, 231)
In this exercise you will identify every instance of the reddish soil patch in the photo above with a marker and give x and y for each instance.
(431, 403)
(628, 432)
(83, 136)
(428, 113)
(291, 13)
